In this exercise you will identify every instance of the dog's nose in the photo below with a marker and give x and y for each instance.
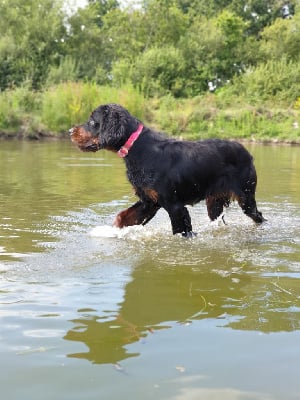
(71, 131)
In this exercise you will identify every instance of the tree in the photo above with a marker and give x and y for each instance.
(102, 7)
(203, 8)
(200, 47)
(90, 43)
(230, 56)
(32, 37)
(165, 23)
(214, 50)
(288, 45)
(159, 71)
(125, 34)
(258, 13)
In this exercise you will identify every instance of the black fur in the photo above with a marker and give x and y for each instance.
(171, 173)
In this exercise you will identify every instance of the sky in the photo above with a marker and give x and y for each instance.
(83, 3)
(80, 3)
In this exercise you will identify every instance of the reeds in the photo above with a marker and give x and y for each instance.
(224, 114)
(55, 110)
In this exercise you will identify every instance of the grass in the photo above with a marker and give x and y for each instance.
(224, 114)
(71, 103)
(53, 111)
(207, 117)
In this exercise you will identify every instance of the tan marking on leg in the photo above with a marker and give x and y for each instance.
(152, 194)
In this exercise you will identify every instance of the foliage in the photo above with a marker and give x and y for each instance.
(288, 31)
(31, 40)
(224, 115)
(18, 109)
(159, 71)
(66, 71)
(59, 107)
(278, 80)
(57, 64)
(70, 103)
(200, 45)
(210, 117)
(257, 13)
(193, 42)
(165, 23)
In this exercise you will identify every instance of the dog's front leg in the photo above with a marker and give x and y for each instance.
(139, 213)
(180, 220)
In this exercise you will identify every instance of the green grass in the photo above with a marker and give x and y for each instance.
(71, 103)
(208, 117)
(55, 110)
(225, 115)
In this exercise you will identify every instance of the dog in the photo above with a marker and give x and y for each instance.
(169, 173)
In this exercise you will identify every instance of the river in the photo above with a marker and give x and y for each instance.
(92, 312)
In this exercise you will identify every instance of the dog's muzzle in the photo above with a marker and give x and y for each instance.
(84, 139)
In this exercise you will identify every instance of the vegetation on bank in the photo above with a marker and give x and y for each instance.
(224, 114)
(193, 68)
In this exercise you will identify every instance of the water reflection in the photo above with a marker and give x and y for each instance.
(106, 341)
(162, 297)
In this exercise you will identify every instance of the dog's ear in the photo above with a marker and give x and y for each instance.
(116, 125)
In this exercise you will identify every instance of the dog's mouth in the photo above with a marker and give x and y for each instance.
(93, 147)
(84, 139)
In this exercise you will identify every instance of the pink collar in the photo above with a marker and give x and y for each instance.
(132, 138)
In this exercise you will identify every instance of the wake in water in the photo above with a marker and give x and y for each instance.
(83, 239)
(107, 231)
(160, 226)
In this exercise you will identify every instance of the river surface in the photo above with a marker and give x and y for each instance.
(92, 312)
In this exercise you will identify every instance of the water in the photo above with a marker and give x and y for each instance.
(88, 311)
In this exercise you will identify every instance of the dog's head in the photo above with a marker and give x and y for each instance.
(108, 127)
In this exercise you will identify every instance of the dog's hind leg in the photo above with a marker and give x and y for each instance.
(180, 220)
(140, 213)
(246, 196)
(215, 206)
(248, 205)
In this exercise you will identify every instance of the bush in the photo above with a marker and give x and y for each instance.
(222, 114)
(208, 117)
(67, 70)
(159, 71)
(71, 103)
(18, 111)
(274, 80)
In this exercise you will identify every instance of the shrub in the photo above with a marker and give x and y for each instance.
(159, 71)
(67, 70)
(278, 80)
(71, 103)
(18, 111)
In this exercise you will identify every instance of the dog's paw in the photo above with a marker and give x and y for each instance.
(189, 235)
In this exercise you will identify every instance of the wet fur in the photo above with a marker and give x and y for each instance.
(170, 173)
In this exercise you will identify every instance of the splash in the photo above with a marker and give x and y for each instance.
(107, 231)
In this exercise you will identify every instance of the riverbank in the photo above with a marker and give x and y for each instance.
(50, 114)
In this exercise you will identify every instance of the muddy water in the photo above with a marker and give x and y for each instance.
(92, 312)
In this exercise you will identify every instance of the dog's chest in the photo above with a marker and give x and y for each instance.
(139, 176)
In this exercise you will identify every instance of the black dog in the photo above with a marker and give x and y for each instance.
(171, 173)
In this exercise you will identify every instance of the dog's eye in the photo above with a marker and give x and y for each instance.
(91, 123)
